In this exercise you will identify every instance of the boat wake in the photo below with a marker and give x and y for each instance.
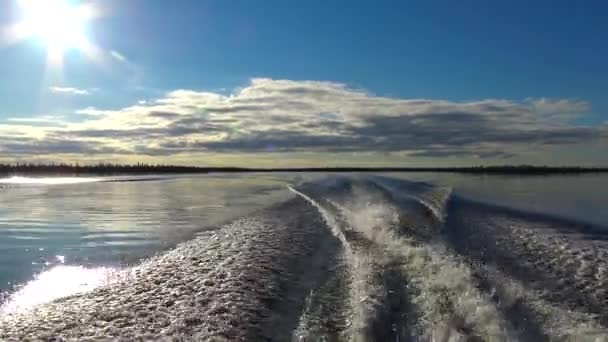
(363, 259)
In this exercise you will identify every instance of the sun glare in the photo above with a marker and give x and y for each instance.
(57, 24)
(58, 282)
(48, 180)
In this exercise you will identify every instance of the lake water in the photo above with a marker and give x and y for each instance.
(60, 237)
(115, 221)
(581, 197)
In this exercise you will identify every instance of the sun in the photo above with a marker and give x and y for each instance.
(59, 25)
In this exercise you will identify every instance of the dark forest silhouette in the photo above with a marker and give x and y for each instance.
(64, 169)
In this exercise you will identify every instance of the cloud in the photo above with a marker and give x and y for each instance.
(558, 109)
(91, 111)
(69, 91)
(44, 121)
(118, 56)
(25, 146)
(270, 116)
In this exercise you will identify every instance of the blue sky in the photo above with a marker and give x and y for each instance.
(542, 63)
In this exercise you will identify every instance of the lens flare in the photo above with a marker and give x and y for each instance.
(58, 25)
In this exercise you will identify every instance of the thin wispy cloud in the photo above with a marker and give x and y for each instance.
(69, 91)
(559, 109)
(44, 121)
(118, 56)
(36, 119)
(91, 111)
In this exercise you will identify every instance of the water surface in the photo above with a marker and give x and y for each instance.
(306, 257)
(115, 221)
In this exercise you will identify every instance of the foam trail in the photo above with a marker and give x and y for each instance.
(439, 279)
(443, 290)
(433, 198)
(555, 322)
(364, 293)
(331, 222)
(545, 269)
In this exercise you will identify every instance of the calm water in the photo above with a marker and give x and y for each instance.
(116, 221)
(343, 244)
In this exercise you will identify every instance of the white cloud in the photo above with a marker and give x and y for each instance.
(69, 90)
(559, 109)
(46, 118)
(44, 121)
(310, 116)
(118, 56)
(92, 111)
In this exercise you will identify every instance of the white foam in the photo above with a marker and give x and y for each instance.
(362, 291)
(439, 277)
(557, 323)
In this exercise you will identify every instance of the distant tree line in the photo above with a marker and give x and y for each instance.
(525, 169)
(504, 169)
(67, 169)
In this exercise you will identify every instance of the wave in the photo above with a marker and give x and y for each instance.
(429, 284)
(363, 258)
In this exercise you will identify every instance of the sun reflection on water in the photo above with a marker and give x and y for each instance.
(48, 180)
(57, 282)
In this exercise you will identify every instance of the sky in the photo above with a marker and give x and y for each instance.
(304, 83)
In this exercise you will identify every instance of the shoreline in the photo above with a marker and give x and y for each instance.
(128, 170)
